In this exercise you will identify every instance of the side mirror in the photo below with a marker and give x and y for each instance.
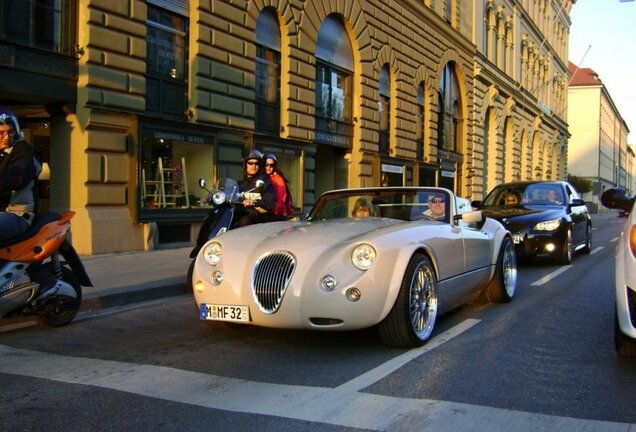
(471, 217)
(476, 204)
(259, 184)
(576, 202)
(616, 198)
(202, 183)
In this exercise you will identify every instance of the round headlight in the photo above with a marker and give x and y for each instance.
(212, 253)
(218, 198)
(363, 256)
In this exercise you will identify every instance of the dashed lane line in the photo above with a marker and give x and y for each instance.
(550, 276)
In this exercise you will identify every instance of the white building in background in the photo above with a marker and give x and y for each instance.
(598, 148)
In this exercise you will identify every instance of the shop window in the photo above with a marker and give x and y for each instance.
(44, 24)
(267, 91)
(170, 166)
(166, 69)
(334, 83)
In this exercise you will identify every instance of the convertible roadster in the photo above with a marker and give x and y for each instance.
(397, 267)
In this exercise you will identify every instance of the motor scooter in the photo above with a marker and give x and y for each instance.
(34, 281)
(220, 218)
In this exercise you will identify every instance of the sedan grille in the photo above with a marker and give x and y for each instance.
(270, 279)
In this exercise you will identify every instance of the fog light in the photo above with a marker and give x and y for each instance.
(353, 294)
(217, 277)
(550, 247)
(199, 286)
(328, 283)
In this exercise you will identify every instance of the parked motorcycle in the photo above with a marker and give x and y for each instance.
(224, 202)
(33, 278)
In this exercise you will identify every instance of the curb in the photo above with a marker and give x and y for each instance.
(127, 295)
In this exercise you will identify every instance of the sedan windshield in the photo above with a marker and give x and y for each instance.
(531, 194)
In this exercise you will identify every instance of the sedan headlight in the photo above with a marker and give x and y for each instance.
(212, 253)
(363, 256)
(632, 240)
(550, 225)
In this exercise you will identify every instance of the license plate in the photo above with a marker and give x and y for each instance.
(224, 312)
(517, 238)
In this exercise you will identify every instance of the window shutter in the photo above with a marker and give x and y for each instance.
(333, 44)
(180, 7)
(267, 30)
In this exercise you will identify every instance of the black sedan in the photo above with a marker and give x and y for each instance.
(546, 218)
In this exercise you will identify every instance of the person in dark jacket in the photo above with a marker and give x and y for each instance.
(260, 197)
(18, 171)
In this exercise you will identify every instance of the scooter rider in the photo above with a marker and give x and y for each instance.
(255, 211)
(18, 171)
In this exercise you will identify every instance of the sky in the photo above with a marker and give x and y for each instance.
(609, 28)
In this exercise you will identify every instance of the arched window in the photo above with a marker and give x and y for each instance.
(447, 109)
(420, 122)
(384, 109)
(334, 72)
(267, 87)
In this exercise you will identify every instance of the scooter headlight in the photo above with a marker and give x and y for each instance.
(212, 253)
(218, 198)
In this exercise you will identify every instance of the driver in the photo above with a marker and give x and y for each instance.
(255, 210)
(436, 207)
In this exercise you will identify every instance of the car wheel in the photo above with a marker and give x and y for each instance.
(502, 286)
(62, 310)
(565, 256)
(588, 240)
(412, 318)
(625, 346)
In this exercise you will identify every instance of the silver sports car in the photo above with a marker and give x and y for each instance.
(391, 257)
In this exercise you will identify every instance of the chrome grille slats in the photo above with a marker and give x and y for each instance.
(270, 279)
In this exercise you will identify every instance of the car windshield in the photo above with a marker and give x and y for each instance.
(533, 194)
(406, 204)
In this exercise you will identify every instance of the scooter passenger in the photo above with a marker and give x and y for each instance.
(18, 171)
(255, 210)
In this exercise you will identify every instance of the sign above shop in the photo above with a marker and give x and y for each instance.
(398, 169)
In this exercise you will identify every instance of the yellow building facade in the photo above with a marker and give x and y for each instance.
(462, 94)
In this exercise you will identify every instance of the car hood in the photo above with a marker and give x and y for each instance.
(316, 236)
(521, 214)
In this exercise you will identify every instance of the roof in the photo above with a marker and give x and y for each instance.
(583, 76)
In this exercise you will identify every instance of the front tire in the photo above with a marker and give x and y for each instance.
(588, 240)
(565, 256)
(410, 322)
(502, 286)
(63, 311)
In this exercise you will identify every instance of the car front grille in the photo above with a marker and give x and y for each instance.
(270, 279)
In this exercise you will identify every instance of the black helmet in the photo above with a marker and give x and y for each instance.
(253, 154)
(7, 118)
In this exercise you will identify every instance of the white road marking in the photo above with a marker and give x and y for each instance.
(340, 406)
(596, 250)
(376, 374)
(551, 276)
(614, 240)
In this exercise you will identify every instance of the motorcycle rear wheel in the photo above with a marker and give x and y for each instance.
(65, 310)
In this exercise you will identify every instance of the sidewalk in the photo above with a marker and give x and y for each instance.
(127, 277)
